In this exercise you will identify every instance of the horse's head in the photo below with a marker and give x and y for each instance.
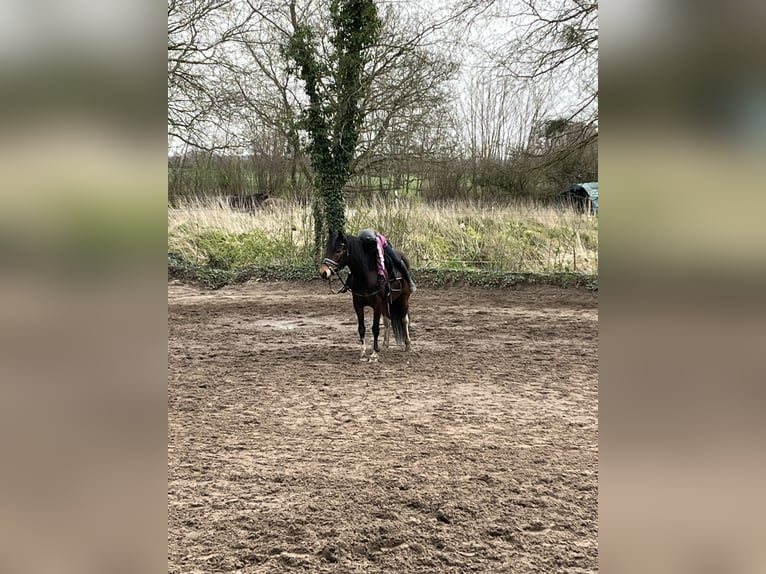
(336, 255)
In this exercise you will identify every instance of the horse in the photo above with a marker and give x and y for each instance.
(391, 300)
(249, 203)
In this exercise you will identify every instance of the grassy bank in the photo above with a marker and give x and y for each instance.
(450, 242)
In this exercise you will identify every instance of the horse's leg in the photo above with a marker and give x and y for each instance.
(360, 319)
(375, 333)
(407, 332)
(386, 330)
(406, 321)
(386, 310)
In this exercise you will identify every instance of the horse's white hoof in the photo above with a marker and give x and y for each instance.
(373, 358)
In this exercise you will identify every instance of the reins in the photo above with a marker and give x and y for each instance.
(335, 267)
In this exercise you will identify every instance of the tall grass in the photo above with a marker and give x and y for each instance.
(519, 237)
(208, 231)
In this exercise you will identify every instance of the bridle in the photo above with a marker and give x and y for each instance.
(334, 267)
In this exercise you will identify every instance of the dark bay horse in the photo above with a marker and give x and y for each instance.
(390, 300)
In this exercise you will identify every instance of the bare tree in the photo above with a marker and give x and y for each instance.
(403, 88)
(199, 32)
(529, 112)
(231, 88)
(409, 73)
(553, 41)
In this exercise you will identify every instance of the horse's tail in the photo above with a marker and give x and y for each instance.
(398, 312)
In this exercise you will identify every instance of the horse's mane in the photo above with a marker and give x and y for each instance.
(358, 258)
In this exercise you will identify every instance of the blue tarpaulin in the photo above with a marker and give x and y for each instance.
(583, 196)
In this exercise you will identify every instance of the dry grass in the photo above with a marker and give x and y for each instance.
(519, 237)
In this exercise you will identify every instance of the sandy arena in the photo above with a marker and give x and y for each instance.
(476, 452)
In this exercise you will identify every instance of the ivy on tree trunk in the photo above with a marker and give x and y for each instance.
(335, 88)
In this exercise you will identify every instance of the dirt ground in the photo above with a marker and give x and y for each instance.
(476, 452)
